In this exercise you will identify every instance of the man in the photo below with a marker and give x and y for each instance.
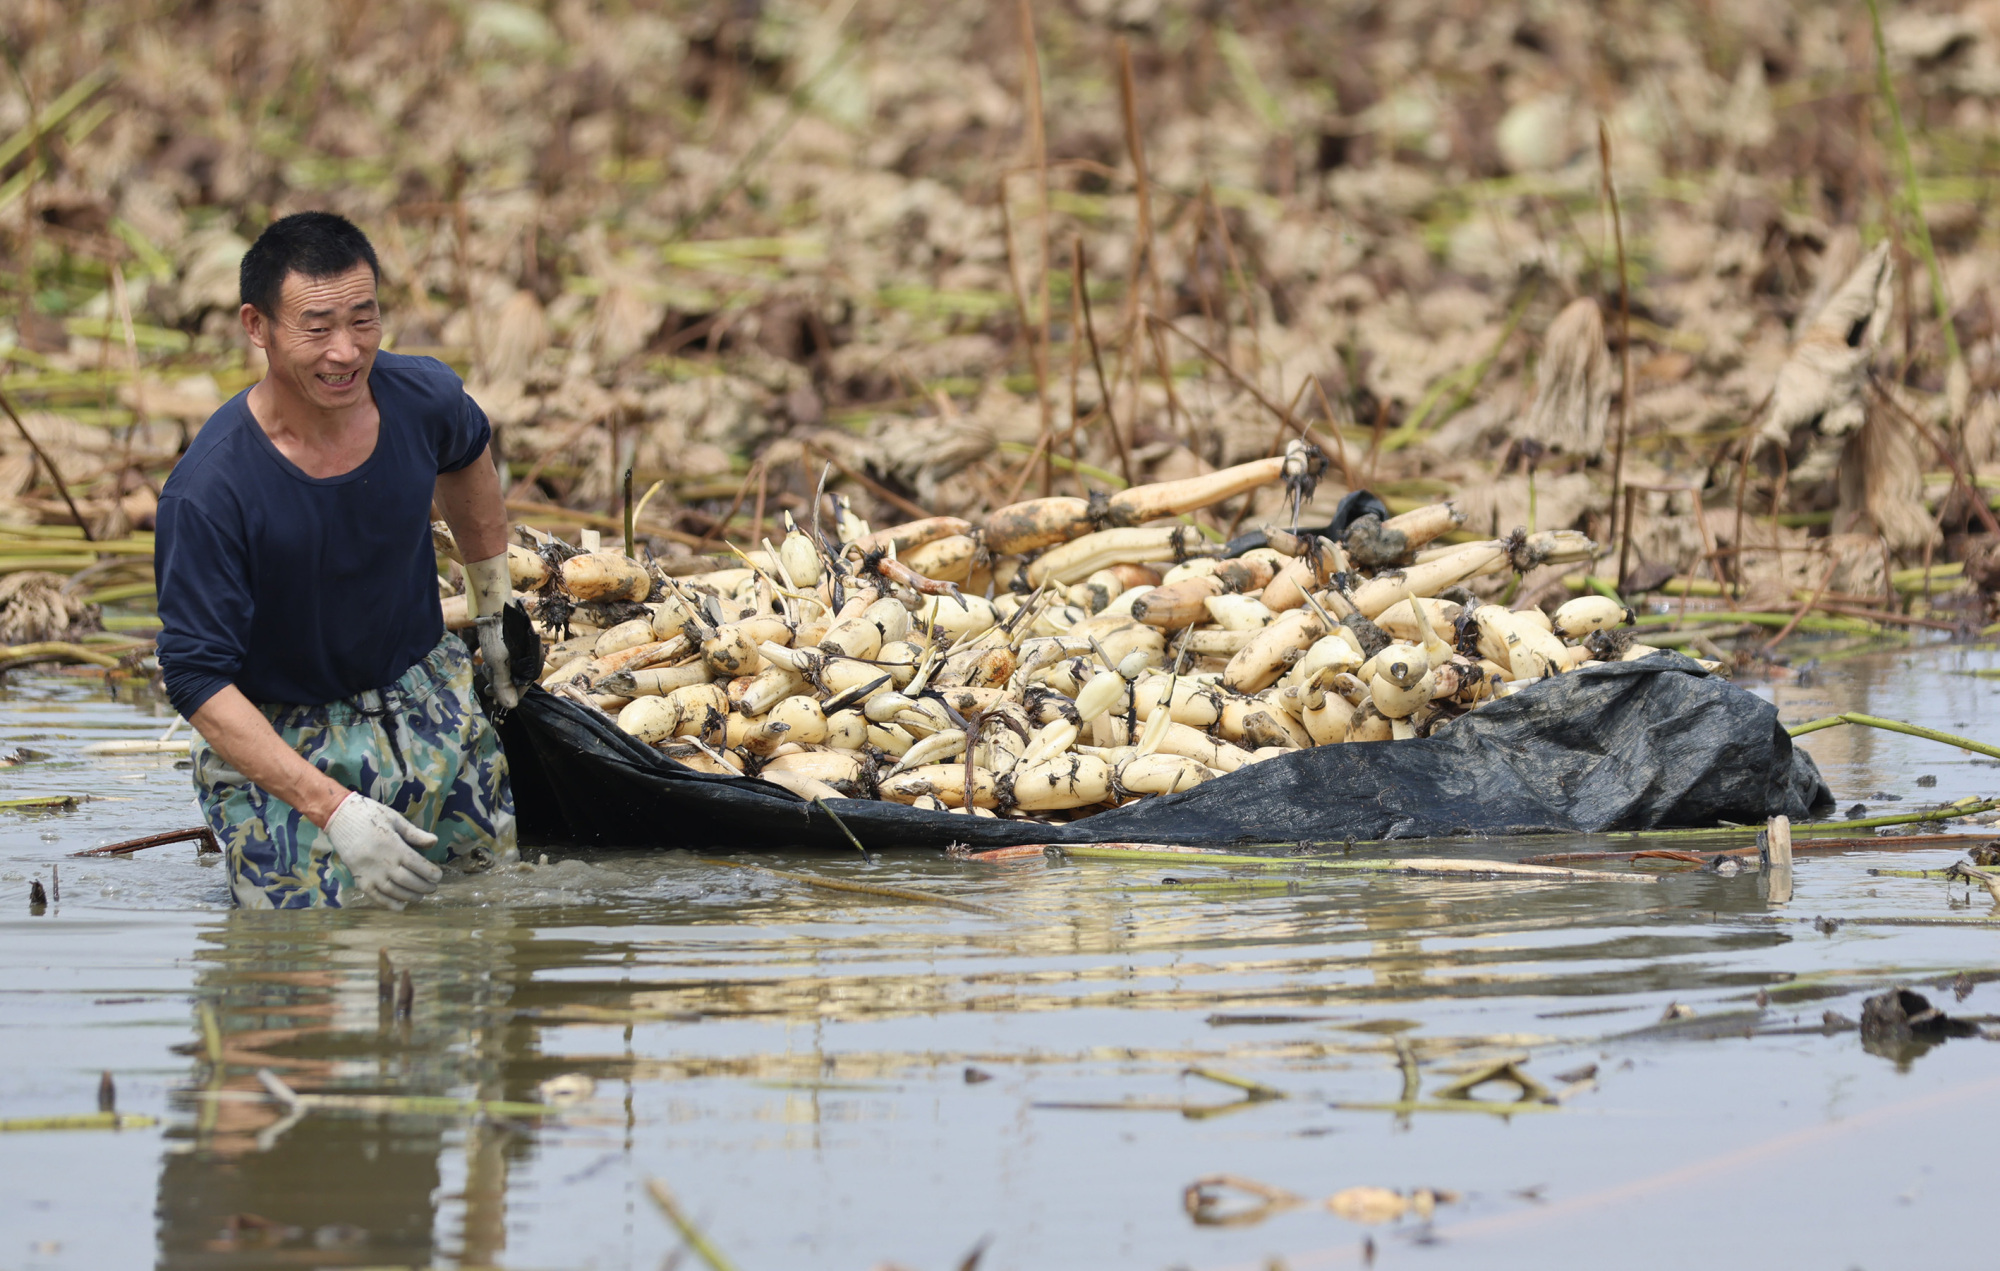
(342, 749)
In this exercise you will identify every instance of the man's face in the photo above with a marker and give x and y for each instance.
(324, 338)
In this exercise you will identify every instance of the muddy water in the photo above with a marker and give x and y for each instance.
(829, 1080)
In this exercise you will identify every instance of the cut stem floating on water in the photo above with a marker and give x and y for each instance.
(860, 889)
(699, 1243)
(1443, 867)
(1894, 726)
(397, 1105)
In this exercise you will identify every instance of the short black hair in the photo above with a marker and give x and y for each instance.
(316, 244)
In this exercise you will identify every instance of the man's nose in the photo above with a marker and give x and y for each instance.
(344, 347)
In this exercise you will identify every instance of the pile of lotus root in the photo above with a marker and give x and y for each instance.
(1065, 656)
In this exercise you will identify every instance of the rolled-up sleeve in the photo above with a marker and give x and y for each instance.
(464, 433)
(205, 604)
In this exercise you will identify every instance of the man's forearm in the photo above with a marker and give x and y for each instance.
(472, 506)
(245, 739)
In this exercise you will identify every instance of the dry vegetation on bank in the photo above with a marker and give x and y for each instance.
(722, 245)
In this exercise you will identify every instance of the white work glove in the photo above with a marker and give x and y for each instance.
(488, 586)
(378, 846)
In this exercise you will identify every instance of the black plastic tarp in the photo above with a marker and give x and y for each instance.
(1652, 744)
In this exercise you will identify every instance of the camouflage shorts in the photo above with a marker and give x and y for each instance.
(423, 746)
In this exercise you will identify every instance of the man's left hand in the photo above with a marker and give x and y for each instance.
(488, 586)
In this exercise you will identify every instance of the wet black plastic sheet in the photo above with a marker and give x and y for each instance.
(1652, 744)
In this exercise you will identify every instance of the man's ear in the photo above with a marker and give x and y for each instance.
(255, 325)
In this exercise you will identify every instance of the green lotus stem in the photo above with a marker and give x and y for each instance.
(1824, 829)
(1896, 726)
(211, 1033)
(1462, 383)
(832, 815)
(1216, 884)
(1836, 829)
(1257, 1090)
(1945, 921)
(1811, 622)
(1496, 1106)
(38, 801)
(85, 1121)
(1912, 200)
(1141, 856)
(690, 1233)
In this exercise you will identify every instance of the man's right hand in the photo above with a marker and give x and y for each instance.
(378, 845)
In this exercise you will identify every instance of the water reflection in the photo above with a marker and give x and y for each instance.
(297, 995)
(675, 972)
(794, 1061)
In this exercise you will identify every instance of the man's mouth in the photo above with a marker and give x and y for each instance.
(339, 381)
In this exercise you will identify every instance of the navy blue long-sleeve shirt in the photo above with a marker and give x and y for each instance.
(298, 589)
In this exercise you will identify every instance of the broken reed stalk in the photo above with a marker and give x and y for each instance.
(1035, 351)
(1776, 846)
(1031, 90)
(398, 1105)
(1142, 256)
(1152, 334)
(861, 889)
(873, 486)
(721, 527)
(691, 1235)
(1097, 364)
(1468, 379)
(563, 443)
(1878, 615)
(1277, 443)
(1038, 456)
(1075, 376)
(1498, 1107)
(1333, 428)
(124, 304)
(1895, 726)
(461, 251)
(1624, 340)
(1965, 870)
(82, 1121)
(795, 105)
(199, 834)
(1161, 854)
(639, 513)
(1892, 843)
(835, 818)
(1740, 554)
(1304, 431)
(1958, 920)
(1823, 830)
(1257, 1090)
(55, 474)
(1945, 451)
(41, 122)
(631, 517)
(1803, 609)
(1236, 271)
(1625, 544)
(1913, 203)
